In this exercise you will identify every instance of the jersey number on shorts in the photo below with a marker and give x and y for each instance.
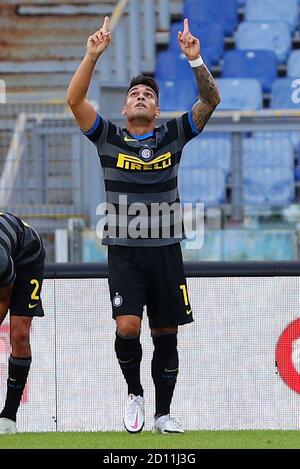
(36, 284)
(185, 295)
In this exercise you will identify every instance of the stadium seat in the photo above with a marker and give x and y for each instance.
(268, 171)
(297, 173)
(206, 133)
(273, 10)
(173, 38)
(206, 185)
(261, 152)
(207, 153)
(273, 186)
(259, 64)
(273, 148)
(285, 94)
(238, 94)
(273, 36)
(212, 39)
(293, 65)
(177, 95)
(223, 12)
(293, 136)
(171, 65)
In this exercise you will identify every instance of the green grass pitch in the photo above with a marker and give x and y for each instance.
(121, 440)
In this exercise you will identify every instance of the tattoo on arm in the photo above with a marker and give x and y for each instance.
(209, 96)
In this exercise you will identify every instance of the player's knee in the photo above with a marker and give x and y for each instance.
(19, 336)
(128, 326)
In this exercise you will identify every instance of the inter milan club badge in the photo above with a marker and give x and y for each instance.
(146, 153)
(117, 300)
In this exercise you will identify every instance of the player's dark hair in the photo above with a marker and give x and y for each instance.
(144, 80)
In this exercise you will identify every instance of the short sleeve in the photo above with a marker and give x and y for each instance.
(186, 128)
(98, 131)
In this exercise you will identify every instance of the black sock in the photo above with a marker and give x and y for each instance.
(164, 371)
(129, 354)
(18, 369)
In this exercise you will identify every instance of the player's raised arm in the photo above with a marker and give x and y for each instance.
(83, 111)
(209, 95)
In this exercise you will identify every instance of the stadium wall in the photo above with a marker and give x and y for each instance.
(246, 318)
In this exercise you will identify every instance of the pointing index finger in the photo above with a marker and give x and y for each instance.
(186, 25)
(105, 24)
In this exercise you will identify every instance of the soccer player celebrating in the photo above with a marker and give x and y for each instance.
(140, 165)
(21, 275)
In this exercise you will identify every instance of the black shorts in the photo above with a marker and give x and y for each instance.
(151, 276)
(25, 298)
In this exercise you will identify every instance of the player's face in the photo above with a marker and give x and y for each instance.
(141, 101)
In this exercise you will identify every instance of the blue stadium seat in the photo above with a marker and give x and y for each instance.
(207, 153)
(268, 171)
(274, 36)
(177, 95)
(273, 186)
(171, 65)
(206, 185)
(173, 41)
(237, 94)
(212, 38)
(259, 64)
(224, 12)
(291, 135)
(293, 65)
(273, 10)
(259, 152)
(206, 133)
(285, 94)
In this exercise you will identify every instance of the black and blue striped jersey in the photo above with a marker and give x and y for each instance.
(140, 176)
(20, 245)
